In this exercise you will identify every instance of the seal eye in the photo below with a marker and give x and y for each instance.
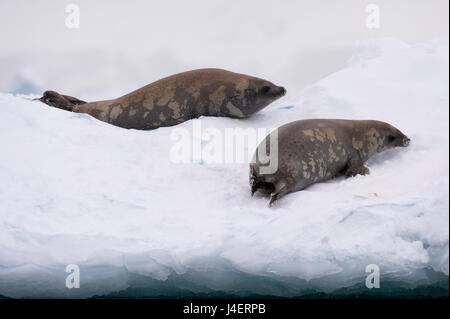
(265, 89)
(391, 138)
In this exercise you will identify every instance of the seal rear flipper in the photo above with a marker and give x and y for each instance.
(254, 188)
(258, 183)
(60, 101)
(280, 190)
(254, 183)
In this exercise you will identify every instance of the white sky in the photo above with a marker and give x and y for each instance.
(292, 43)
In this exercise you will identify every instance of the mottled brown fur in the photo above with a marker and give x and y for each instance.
(312, 151)
(178, 98)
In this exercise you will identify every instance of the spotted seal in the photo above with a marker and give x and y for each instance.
(178, 98)
(316, 150)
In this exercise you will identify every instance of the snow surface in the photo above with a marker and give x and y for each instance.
(75, 190)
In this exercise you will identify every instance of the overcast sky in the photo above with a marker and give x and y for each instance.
(128, 43)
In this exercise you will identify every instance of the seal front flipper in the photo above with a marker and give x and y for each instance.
(355, 167)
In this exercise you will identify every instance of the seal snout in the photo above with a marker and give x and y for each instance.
(273, 91)
(405, 142)
(277, 91)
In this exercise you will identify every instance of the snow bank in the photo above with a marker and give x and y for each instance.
(75, 190)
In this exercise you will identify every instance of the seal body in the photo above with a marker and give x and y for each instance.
(178, 98)
(316, 150)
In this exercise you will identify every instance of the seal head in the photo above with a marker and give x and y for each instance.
(391, 137)
(256, 95)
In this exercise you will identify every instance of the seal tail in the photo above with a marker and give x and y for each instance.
(64, 102)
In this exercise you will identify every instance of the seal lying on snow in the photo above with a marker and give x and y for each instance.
(178, 98)
(311, 151)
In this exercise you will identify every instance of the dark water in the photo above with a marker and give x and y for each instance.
(235, 284)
